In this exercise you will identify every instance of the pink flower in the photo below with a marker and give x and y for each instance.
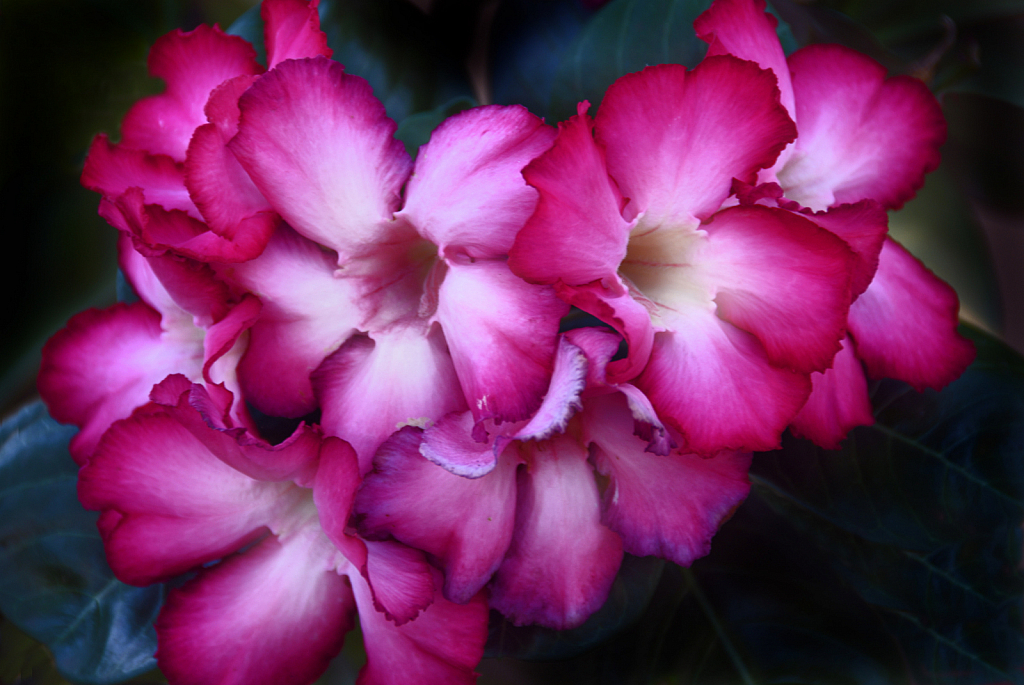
(523, 514)
(388, 301)
(867, 140)
(180, 487)
(727, 310)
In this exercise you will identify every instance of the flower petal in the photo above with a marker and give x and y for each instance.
(373, 386)
(562, 400)
(675, 139)
(838, 402)
(320, 148)
(577, 234)
(502, 333)
(277, 613)
(467, 194)
(861, 135)
(465, 524)
(192, 64)
(666, 505)
(112, 169)
(863, 227)
(904, 325)
(291, 30)
(400, 580)
(714, 384)
(562, 561)
(451, 444)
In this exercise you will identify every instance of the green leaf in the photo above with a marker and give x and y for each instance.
(55, 583)
(415, 130)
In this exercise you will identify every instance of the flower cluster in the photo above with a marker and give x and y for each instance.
(463, 448)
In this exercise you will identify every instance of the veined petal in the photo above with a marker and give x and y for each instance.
(666, 505)
(502, 333)
(180, 505)
(441, 647)
(320, 148)
(467, 194)
(743, 29)
(782, 278)
(838, 402)
(904, 325)
(277, 613)
(291, 30)
(192, 64)
(371, 387)
(674, 139)
(714, 384)
(562, 560)
(861, 135)
(465, 524)
(103, 364)
(577, 234)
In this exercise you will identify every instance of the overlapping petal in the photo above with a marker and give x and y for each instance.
(838, 402)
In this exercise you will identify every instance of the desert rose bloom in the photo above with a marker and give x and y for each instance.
(180, 487)
(522, 512)
(387, 299)
(864, 144)
(726, 311)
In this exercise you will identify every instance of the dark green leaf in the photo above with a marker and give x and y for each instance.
(55, 583)
(415, 130)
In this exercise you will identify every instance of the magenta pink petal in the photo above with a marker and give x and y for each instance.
(112, 169)
(441, 647)
(743, 29)
(465, 524)
(400, 580)
(562, 400)
(291, 30)
(862, 136)
(334, 490)
(502, 333)
(181, 506)
(703, 492)
(450, 443)
(274, 615)
(904, 325)
(467, 194)
(577, 235)
(863, 227)
(103, 365)
(838, 402)
(782, 278)
(191, 64)
(371, 387)
(714, 384)
(562, 560)
(599, 345)
(320, 148)
(222, 336)
(675, 140)
(646, 424)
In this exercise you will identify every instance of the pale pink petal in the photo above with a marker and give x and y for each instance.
(863, 227)
(838, 402)
(743, 29)
(904, 325)
(616, 306)
(112, 169)
(291, 30)
(400, 579)
(675, 140)
(502, 333)
(191, 64)
(862, 136)
(320, 148)
(441, 647)
(714, 384)
(371, 387)
(193, 287)
(308, 312)
(562, 400)
(103, 365)
(577, 235)
(467, 194)
(670, 505)
(451, 444)
(782, 278)
(139, 272)
(562, 560)
(465, 524)
(181, 506)
(275, 614)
